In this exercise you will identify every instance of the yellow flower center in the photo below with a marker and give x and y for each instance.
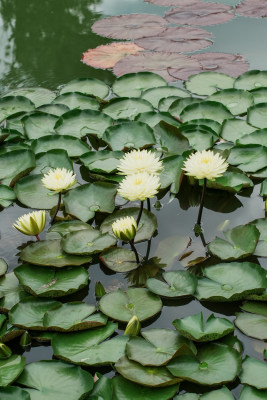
(58, 176)
(205, 161)
(138, 181)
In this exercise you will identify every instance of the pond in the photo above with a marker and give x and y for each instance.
(42, 44)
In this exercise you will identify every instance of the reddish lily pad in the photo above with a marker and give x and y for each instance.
(177, 3)
(252, 8)
(106, 56)
(177, 39)
(200, 14)
(131, 26)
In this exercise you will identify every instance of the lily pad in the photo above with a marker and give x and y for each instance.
(54, 109)
(254, 373)
(154, 95)
(90, 86)
(249, 8)
(214, 364)
(88, 347)
(179, 105)
(200, 137)
(177, 284)
(241, 242)
(231, 281)
(51, 254)
(194, 328)
(79, 123)
(14, 104)
(3, 267)
(119, 260)
(84, 201)
(172, 173)
(169, 249)
(208, 82)
(39, 124)
(132, 85)
(250, 393)
(249, 158)
(236, 100)
(7, 196)
(219, 394)
(76, 100)
(54, 379)
(206, 109)
(10, 369)
(102, 161)
(52, 159)
(257, 115)
(48, 282)
(14, 392)
(73, 146)
(10, 292)
(131, 26)
(254, 322)
(170, 139)
(123, 107)
(152, 118)
(122, 306)
(250, 80)
(37, 95)
(14, 165)
(257, 137)
(87, 241)
(146, 228)
(232, 181)
(234, 129)
(60, 229)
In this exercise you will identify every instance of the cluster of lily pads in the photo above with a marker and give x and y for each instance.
(87, 127)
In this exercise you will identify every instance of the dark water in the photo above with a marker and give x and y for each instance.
(41, 45)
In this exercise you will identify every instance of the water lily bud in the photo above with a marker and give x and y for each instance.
(99, 289)
(125, 228)
(5, 351)
(59, 179)
(31, 224)
(133, 327)
(25, 339)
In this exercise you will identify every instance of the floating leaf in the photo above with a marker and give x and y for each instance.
(169, 249)
(132, 85)
(119, 260)
(236, 100)
(10, 292)
(232, 181)
(122, 306)
(254, 373)
(39, 124)
(257, 137)
(154, 95)
(14, 165)
(131, 26)
(102, 161)
(250, 393)
(200, 137)
(124, 107)
(254, 322)
(249, 158)
(251, 8)
(251, 80)
(207, 83)
(194, 328)
(7, 196)
(259, 95)
(14, 104)
(3, 267)
(152, 118)
(60, 229)
(52, 159)
(234, 129)
(73, 146)
(219, 394)
(54, 109)
(172, 173)
(91, 86)
(170, 139)
(76, 100)
(257, 115)
(14, 392)
(37, 95)
(179, 105)
(10, 369)
(178, 284)
(87, 241)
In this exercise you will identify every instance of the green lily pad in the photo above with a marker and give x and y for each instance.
(102, 161)
(79, 123)
(194, 328)
(254, 373)
(122, 306)
(119, 260)
(10, 292)
(254, 322)
(214, 364)
(172, 173)
(14, 392)
(257, 115)
(7, 196)
(234, 129)
(241, 242)
(103, 388)
(210, 123)
(154, 95)
(231, 281)
(3, 267)
(169, 249)
(87, 241)
(51, 282)
(132, 85)
(129, 135)
(152, 118)
(207, 83)
(177, 284)
(166, 102)
(124, 108)
(257, 137)
(89, 86)
(259, 94)
(7, 331)
(249, 158)
(250, 393)
(158, 347)
(84, 201)
(54, 109)
(10, 369)
(88, 347)
(177, 107)
(50, 254)
(170, 139)
(236, 101)
(232, 181)
(52, 159)
(124, 389)
(251, 80)
(73, 146)
(219, 394)
(206, 109)
(14, 104)
(39, 124)
(146, 228)
(200, 137)
(60, 229)
(76, 100)
(37, 95)
(50, 379)
(14, 165)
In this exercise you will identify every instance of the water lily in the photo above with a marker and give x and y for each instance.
(31, 224)
(125, 228)
(137, 161)
(133, 327)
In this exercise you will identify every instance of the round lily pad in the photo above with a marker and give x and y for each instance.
(14, 165)
(254, 373)
(132, 85)
(171, 140)
(52, 159)
(175, 284)
(54, 379)
(208, 82)
(122, 306)
(231, 281)
(126, 107)
(254, 322)
(210, 123)
(172, 172)
(214, 364)
(250, 393)
(37, 95)
(234, 129)
(54, 109)
(194, 328)
(119, 260)
(77, 100)
(14, 392)
(73, 146)
(251, 80)
(60, 229)
(3, 267)
(146, 227)
(219, 394)
(7, 331)
(259, 95)
(51, 282)
(39, 124)
(51, 254)
(236, 100)
(10, 292)
(249, 158)
(10, 369)
(87, 241)
(102, 161)
(89, 86)
(257, 115)
(152, 118)
(206, 109)
(14, 104)
(154, 95)
(257, 137)
(165, 103)
(179, 105)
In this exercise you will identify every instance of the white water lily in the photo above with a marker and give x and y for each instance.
(31, 224)
(140, 161)
(205, 164)
(139, 186)
(125, 228)
(59, 179)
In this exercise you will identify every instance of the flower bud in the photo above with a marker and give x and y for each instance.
(125, 228)
(133, 327)
(99, 289)
(5, 351)
(25, 339)
(31, 224)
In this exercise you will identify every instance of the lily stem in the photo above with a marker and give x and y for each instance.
(135, 251)
(140, 212)
(202, 202)
(58, 206)
(38, 238)
(148, 204)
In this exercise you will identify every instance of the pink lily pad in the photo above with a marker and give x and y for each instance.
(252, 8)
(177, 39)
(230, 64)
(106, 56)
(130, 27)
(157, 62)
(200, 14)
(176, 3)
